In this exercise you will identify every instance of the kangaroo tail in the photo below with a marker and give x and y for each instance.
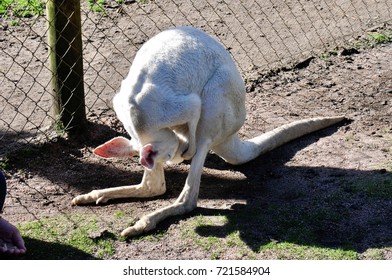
(236, 151)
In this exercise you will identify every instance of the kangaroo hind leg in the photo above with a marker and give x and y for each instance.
(235, 151)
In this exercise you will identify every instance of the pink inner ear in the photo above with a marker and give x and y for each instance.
(116, 147)
(147, 156)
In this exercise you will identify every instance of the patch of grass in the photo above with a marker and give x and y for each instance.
(14, 22)
(326, 56)
(371, 40)
(119, 214)
(380, 38)
(287, 250)
(59, 127)
(79, 232)
(97, 5)
(153, 237)
(209, 243)
(22, 8)
(233, 240)
(4, 164)
(207, 233)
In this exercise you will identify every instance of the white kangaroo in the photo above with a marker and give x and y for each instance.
(184, 96)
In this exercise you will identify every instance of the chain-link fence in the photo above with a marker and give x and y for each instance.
(262, 35)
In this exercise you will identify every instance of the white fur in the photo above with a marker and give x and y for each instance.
(184, 96)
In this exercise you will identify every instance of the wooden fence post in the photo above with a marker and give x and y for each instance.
(66, 65)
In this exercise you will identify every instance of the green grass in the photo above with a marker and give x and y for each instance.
(96, 5)
(4, 164)
(67, 237)
(154, 236)
(22, 8)
(216, 246)
(210, 243)
(119, 214)
(287, 250)
(369, 40)
(380, 38)
(374, 39)
(59, 127)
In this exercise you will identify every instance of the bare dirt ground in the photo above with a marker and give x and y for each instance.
(329, 190)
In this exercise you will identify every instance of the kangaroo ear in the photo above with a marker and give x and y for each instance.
(147, 157)
(116, 147)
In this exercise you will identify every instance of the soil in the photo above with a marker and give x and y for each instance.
(343, 172)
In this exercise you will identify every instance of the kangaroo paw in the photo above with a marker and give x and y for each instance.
(143, 225)
(91, 197)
